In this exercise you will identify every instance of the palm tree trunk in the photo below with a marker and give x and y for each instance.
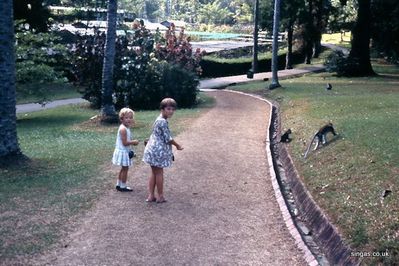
(276, 19)
(9, 146)
(255, 48)
(107, 107)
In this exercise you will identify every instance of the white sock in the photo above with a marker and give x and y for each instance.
(118, 183)
(122, 185)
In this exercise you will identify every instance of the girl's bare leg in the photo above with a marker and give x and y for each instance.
(159, 183)
(123, 174)
(151, 186)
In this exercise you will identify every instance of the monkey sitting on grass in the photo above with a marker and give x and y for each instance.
(321, 137)
(286, 136)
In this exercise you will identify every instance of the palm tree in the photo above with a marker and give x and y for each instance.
(107, 107)
(255, 48)
(8, 129)
(276, 19)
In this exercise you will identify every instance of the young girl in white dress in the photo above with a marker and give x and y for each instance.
(158, 151)
(122, 148)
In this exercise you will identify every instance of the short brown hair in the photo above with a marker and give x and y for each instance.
(168, 102)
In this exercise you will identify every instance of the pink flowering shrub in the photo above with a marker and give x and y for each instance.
(176, 49)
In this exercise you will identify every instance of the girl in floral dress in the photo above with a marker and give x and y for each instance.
(158, 151)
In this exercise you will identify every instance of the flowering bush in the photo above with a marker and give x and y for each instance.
(176, 49)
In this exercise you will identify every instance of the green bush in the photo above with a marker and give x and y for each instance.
(220, 67)
(141, 79)
(40, 59)
(159, 80)
(342, 65)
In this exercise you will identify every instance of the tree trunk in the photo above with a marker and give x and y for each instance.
(290, 32)
(309, 32)
(360, 51)
(9, 146)
(255, 48)
(107, 106)
(276, 19)
(318, 27)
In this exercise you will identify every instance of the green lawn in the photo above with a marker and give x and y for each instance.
(348, 176)
(52, 91)
(335, 38)
(69, 154)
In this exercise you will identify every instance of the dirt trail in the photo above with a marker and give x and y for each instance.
(221, 207)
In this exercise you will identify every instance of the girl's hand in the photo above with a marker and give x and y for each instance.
(178, 147)
(135, 142)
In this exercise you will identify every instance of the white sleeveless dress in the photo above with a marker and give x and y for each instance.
(121, 152)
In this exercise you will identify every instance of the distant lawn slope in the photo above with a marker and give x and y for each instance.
(348, 177)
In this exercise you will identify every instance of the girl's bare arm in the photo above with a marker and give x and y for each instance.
(126, 142)
(173, 142)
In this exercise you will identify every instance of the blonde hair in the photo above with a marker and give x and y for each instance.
(124, 111)
(168, 102)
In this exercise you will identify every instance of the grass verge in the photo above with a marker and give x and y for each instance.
(348, 177)
(70, 155)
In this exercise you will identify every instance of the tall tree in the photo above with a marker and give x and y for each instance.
(309, 34)
(291, 11)
(255, 47)
(276, 19)
(107, 106)
(8, 130)
(385, 28)
(360, 51)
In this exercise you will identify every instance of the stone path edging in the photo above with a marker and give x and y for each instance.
(325, 233)
(309, 257)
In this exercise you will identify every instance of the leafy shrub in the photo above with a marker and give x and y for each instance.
(220, 67)
(341, 64)
(40, 58)
(159, 80)
(140, 79)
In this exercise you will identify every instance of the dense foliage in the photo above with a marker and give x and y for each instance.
(385, 28)
(40, 59)
(142, 75)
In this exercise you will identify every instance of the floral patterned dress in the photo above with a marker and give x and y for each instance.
(158, 151)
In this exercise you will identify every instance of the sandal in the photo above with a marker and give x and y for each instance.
(151, 200)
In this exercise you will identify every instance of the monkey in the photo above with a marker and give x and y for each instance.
(286, 136)
(321, 136)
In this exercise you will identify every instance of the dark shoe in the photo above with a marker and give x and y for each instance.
(161, 200)
(118, 188)
(125, 189)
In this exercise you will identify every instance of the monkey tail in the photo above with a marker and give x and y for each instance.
(310, 145)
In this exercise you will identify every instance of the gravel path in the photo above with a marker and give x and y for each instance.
(221, 207)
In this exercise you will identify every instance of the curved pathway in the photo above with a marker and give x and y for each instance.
(221, 207)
